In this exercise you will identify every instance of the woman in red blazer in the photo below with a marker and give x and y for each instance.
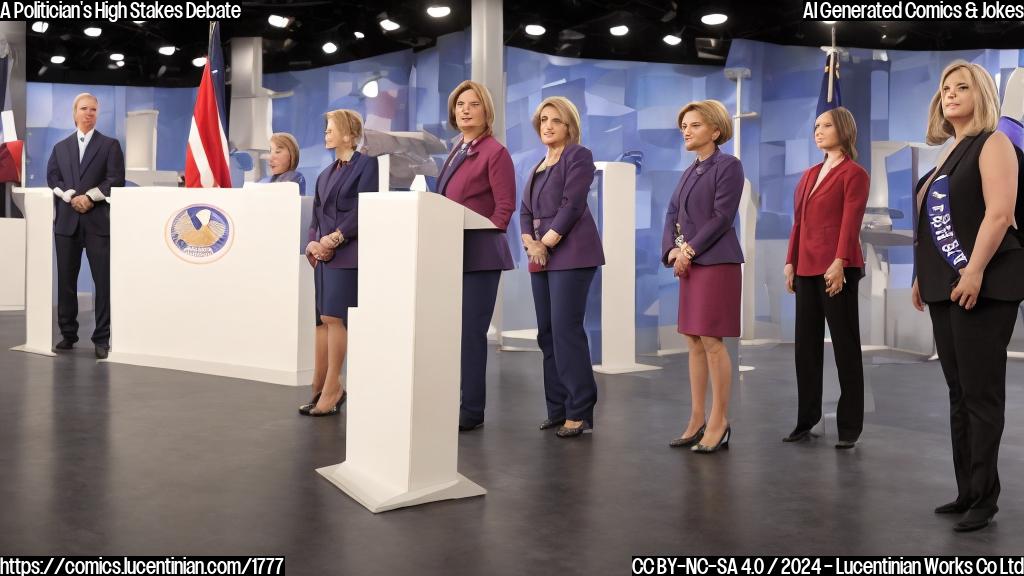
(823, 266)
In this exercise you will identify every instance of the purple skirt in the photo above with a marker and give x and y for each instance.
(709, 300)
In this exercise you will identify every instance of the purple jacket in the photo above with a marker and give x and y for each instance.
(336, 205)
(556, 199)
(484, 181)
(704, 205)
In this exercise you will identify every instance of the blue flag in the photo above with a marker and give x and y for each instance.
(216, 58)
(824, 103)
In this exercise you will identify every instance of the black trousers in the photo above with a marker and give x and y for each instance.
(972, 351)
(69, 262)
(813, 308)
(560, 299)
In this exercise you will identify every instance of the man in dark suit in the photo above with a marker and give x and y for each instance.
(81, 171)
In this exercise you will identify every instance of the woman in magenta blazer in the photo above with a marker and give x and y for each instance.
(561, 239)
(479, 175)
(333, 251)
(823, 266)
(700, 244)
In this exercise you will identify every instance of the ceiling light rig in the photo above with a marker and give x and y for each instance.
(620, 30)
(535, 30)
(438, 11)
(714, 19)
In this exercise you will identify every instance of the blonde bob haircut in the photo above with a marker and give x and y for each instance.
(986, 104)
(846, 130)
(566, 111)
(485, 101)
(79, 98)
(347, 121)
(714, 113)
(288, 142)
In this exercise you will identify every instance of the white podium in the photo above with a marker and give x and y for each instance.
(209, 280)
(12, 262)
(618, 279)
(401, 438)
(37, 206)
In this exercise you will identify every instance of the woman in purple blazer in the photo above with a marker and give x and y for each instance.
(561, 239)
(479, 175)
(283, 161)
(700, 244)
(332, 252)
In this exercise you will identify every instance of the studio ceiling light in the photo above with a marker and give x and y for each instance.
(93, 31)
(40, 26)
(329, 48)
(359, 35)
(277, 21)
(166, 50)
(535, 30)
(371, 89)
(672, 40)
(714, 19)
(619, 30)
(57, 59)
(120, 63)
(389, 25)
(117, 56)
(199, 62)
(438, 11)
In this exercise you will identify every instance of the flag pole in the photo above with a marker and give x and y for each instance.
(832, 64)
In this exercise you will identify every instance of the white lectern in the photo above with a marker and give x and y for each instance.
(209, 280)
(401, 438)
(618, 278)
(37, 206)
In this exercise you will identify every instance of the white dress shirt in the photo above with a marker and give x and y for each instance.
(94, 194)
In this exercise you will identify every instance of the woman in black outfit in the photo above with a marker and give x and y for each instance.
(970, 266)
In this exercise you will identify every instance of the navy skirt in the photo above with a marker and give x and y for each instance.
(336, 290)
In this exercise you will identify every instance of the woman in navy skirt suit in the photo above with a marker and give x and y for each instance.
(564, 247)
(701, 246)
(333, 251)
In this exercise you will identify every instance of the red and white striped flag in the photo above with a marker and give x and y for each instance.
(206, 159)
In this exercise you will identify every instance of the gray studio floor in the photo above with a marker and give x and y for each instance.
(100, 459)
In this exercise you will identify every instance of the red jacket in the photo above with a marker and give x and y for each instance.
(827, 224)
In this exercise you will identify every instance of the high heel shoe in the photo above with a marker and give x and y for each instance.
(334, 409)
(305, 408)
(687, 441)
(723, 444)
(566, 432)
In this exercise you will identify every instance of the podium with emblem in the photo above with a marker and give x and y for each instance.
(209, 280)
(401, 440)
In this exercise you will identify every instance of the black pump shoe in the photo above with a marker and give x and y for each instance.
(305, 408)
(334, 409)
(551, 423)
(798, 436)
(687, 441)
(954, 507)
(975, 519)
(566, 432)
(723, 444)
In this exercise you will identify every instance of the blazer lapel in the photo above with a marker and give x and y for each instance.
(347, 174)
(529, 189)
(705, 167)
(72, 150)
(813, 191)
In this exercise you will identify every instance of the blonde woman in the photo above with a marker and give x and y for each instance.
(561, 239)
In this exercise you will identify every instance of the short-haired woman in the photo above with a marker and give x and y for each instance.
(824, 264)
(283, 161)
(701, 246)
(333, 251)
(561, 239)
(479, 175)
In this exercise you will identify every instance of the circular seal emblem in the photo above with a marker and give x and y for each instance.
(200, 233)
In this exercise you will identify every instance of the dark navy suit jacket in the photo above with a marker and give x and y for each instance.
(556, 199)
(336, 205)
(102, 166)
(705, 205)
